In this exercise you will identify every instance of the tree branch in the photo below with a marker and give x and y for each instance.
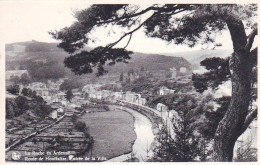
(238, 34)
(131, 32)
(128, 33)
(158, 9)
(129, 40)
(129, 16)
(251, 38)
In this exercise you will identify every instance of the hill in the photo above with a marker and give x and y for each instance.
(48, 60)
(152, 62)
(195, 57)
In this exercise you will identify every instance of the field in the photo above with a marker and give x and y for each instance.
(113, 133)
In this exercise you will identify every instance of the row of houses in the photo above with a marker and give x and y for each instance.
(95, 93)
(134, 98)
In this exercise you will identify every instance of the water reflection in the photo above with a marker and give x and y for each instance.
(144, 137)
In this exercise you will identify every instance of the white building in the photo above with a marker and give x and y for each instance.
(54, 114)
(161, 107)
(92, 95)
(165, 91)
(37, 85)
(174, 73)
(173, 115)
(42, 91)
(142, 101)
(183, 70)
(60, 110)
(132, 97)
(90, 88)
(118, 95)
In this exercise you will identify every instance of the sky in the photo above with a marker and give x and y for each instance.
(31, 20)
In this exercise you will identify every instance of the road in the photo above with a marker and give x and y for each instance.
(164, 115)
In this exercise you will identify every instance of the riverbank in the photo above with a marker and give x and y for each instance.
(147, 129)
(112, 131)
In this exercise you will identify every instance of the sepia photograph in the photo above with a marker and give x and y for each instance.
(132, 82)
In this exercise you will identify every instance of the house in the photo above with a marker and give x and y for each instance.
(183, 70)
(54, 114)
(38, 85)
(60, 81)
(90, 88)
(174, 73)
(63, 103)
(77, 94)
(142, 101)
(173, 115)
(99, 95)
(42, 91)
(82, 101)
(92, 95)
(165, 91)
(60, 110)
(132, 97)
(118, 95)
(161, 107)
(53, 86)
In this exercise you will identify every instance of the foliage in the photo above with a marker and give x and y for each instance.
(25, 91)
(86, 95)
(32, 94)
(69, 95)
(70, 84)
(15, 79)
(25, 79)
(212, 118)
(196, 24)
(80, 126)
(13, 89)
(11, 109)
(19, 105)
(246, 153)
(121, 78)
(218, 73)
(105, 107)
(184, 147)
(44, 71)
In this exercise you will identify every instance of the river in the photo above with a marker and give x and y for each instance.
(144, 137)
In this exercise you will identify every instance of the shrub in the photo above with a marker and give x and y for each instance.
(13, 89)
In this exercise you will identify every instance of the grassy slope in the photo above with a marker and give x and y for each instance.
(113, 132)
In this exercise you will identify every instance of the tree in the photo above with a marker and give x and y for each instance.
(69, 95)
(195, 25)
(34, 94)
(245, 153)
(142, 69)
(70, 84)
(30, 93)
(13, 89)
(86, 95)
(15, 79)
(39, 99)
(25, 91)
(121, 78)
(184, 147)
(25, 79)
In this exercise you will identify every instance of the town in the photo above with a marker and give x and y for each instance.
(130, 82)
